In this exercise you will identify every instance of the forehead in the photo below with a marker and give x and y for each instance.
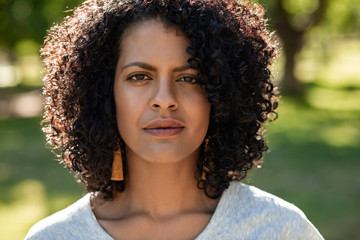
(146, 27)
(149, 22)
(151, 39)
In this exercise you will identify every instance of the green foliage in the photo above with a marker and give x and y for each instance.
(300, 6)
(29, 19)
(342, 17)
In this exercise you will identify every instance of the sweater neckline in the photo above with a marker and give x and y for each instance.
(213, 224)
(221, 210)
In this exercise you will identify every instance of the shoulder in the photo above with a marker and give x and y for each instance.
(257, 200)
(261, 215)
(70, 223)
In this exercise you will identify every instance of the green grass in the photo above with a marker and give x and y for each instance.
(32, 185)
(312, 162)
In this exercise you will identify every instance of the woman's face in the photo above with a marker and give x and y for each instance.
(162, 112)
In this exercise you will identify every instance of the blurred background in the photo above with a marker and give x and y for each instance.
(313, 160)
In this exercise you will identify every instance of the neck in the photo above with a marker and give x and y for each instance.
(157, 190)
(162, 189)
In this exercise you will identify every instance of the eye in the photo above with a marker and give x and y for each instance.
(189, 79)
(137, 77)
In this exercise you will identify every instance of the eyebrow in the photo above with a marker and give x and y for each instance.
(152, 68)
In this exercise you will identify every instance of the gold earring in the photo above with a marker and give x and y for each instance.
(117, 173)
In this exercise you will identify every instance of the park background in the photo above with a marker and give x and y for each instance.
(313, 160)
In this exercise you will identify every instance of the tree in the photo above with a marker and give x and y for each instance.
(28, 20)
(292, 19)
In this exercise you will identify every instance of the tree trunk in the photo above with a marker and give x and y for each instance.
(290, 84)
(293, 42)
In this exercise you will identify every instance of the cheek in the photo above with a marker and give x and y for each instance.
(202, 109)
(199, 110)
(121, 111)
(126, 111)
(205, 116)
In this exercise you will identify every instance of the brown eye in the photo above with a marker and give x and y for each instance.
(189, 80)
(137, 77)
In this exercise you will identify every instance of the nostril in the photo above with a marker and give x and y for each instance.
(156, 105)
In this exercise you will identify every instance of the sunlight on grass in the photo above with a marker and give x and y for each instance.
(335, 127)
(332, 64)
(29, 204)
(342, 136)
(334, 99)
(343, 65)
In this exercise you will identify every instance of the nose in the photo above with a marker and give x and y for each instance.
(164, 97)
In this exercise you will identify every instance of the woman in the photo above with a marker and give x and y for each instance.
(158, 106)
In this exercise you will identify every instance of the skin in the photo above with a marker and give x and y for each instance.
(161, 199)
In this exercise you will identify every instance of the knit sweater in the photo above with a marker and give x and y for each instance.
(243, 212)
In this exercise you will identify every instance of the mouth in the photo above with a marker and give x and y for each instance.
(164, 127)
(164, 132)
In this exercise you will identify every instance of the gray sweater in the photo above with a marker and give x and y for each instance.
(243, 212)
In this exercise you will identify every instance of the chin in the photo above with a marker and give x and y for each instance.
(169, 155)
(165, 157)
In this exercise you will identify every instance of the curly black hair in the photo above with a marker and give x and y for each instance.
(231, 48)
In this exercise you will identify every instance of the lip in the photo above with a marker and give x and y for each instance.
(164, 127)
